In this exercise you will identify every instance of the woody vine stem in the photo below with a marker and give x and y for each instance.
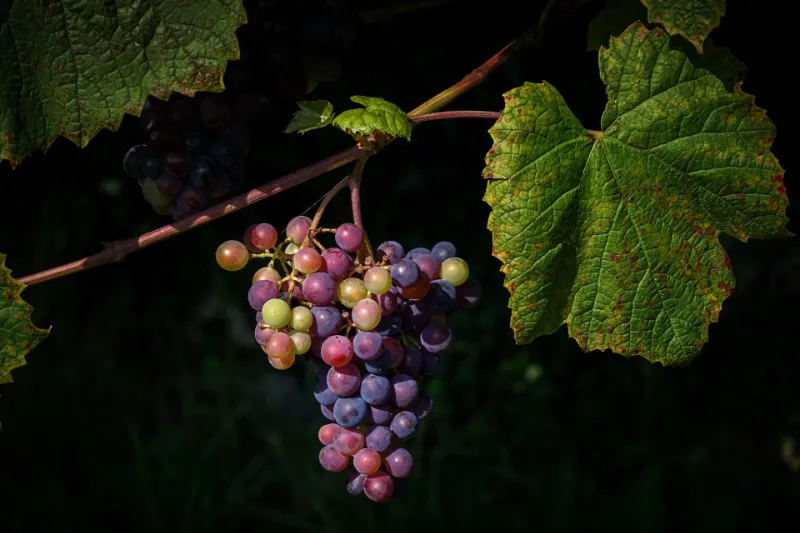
(427, 111)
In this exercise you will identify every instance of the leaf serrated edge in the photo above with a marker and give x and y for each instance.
(16, 293)
(673, 29)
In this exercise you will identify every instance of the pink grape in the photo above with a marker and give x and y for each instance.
(307, 260)
(337, 350)
(297, 229)
(348, 441)
(349, 237)
(399, 463)
(281, 363)
(267, 274)
(344, 380)
(367, 461)
(336, 262)
(260, 237)
(319, 288)
(232, 255)
(331, 460)
(263, 335)
(428, 264)
(327, 433)
(366, 314)
(279, 345)
(379, 486)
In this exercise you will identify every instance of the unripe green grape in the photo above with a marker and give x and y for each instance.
(455, 270)
(301, 318)
(366, 314)
(276, 313)
(378, 280)
(291, 249)
(153, 195)
(163, 210)
(232, 255)
(267, 274)
(351, 291)
(281, 363)
(301, 341)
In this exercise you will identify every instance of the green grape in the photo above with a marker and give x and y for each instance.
(163, 210)
(301, 341)
(291, 249)
(276, 313)
(153, 195)
(301, 318)
(455, 270)
(378, 280)
(351, 291)
(232, 255)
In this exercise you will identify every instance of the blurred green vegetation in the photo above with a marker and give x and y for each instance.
(151, 409)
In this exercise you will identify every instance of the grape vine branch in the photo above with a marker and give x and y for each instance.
(116, 251)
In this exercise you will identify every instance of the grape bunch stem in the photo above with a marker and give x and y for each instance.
(116, 251)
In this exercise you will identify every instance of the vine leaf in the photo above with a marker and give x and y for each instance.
(311, 116)
(73, 68)
(693, 19)
(615, 232)
(18, 335)
(378, 115)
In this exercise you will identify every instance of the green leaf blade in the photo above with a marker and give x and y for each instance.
(18, 335)
(693, 19)
(311, 116)
(615, 233)
(75, 67)
(377, 115)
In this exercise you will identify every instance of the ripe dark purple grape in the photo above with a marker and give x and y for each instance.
(399, 463)
(336, 262)
(387, 301)
(436, 337)
(422, 407)
(326, 321)
(178, 162)
(415, 317)
(331, 460)
(319, 288)
(195, 142)
(390, 325)
(170, 185)
(428, 264)
(261, 292)
(411, 254)
(343, 380)
(323, 394)
(349, 237)
(376, 390)
(381, 415)
(202, 170)
(380, 365)
(395, 351)
(327, 412)
(441, 297)
(355, 483)
(193, 197)
(430, 363)
(163, 139)
(405, 273)
(367, 345)
(134, 160)
(350, 412)
(379, 438)
(404, 424)
(406, 390)
(412, 361)
(443, 250)
(468, 294)
(152, 167)
(219, 184)
(391, 251)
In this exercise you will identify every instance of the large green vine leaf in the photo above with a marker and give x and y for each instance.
(694, 19)
(18, 335)
(615, 232)
(73, 67)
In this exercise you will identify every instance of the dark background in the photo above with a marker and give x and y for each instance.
(150, 408)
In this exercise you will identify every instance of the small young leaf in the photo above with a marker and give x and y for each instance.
(311, 116)
(615, 233)
(694, 19)
(18, 335)
(74, 68)
(377, 115)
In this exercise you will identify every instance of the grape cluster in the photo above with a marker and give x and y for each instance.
(373, 327)
(195, 148)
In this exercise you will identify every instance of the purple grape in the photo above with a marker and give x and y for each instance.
(261, 292)
(355, 483)
(405, 273)
(134, 160)
(327, 412)
(343, 380)
(222, 152)
(351, 412)
(430, 363)
(416, 251)
(263, 334)
(179, 211)
(319, 288)
(443, 250)
(219, 184)
(195, 142)
(376, 390)
(169, 184)
(412, 361)
(395, 350)
(367, 345)
(202, 170)
(326, 321)
(428, 264)
(404, 424)
(336, 262)
(163, 139)
(379, 438)
(349, 237)
(392, 251)
(399, 463)
(436, 337)
(178, 162)
(387, 301)
(323, 394)
(415, 317)
(406, 390)
(441, 297)
(152, 168)
(379, 365)
(259, 317)
(469, 294)
(381, 415)
(193, 197)
(391, 325)
(422, 407)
